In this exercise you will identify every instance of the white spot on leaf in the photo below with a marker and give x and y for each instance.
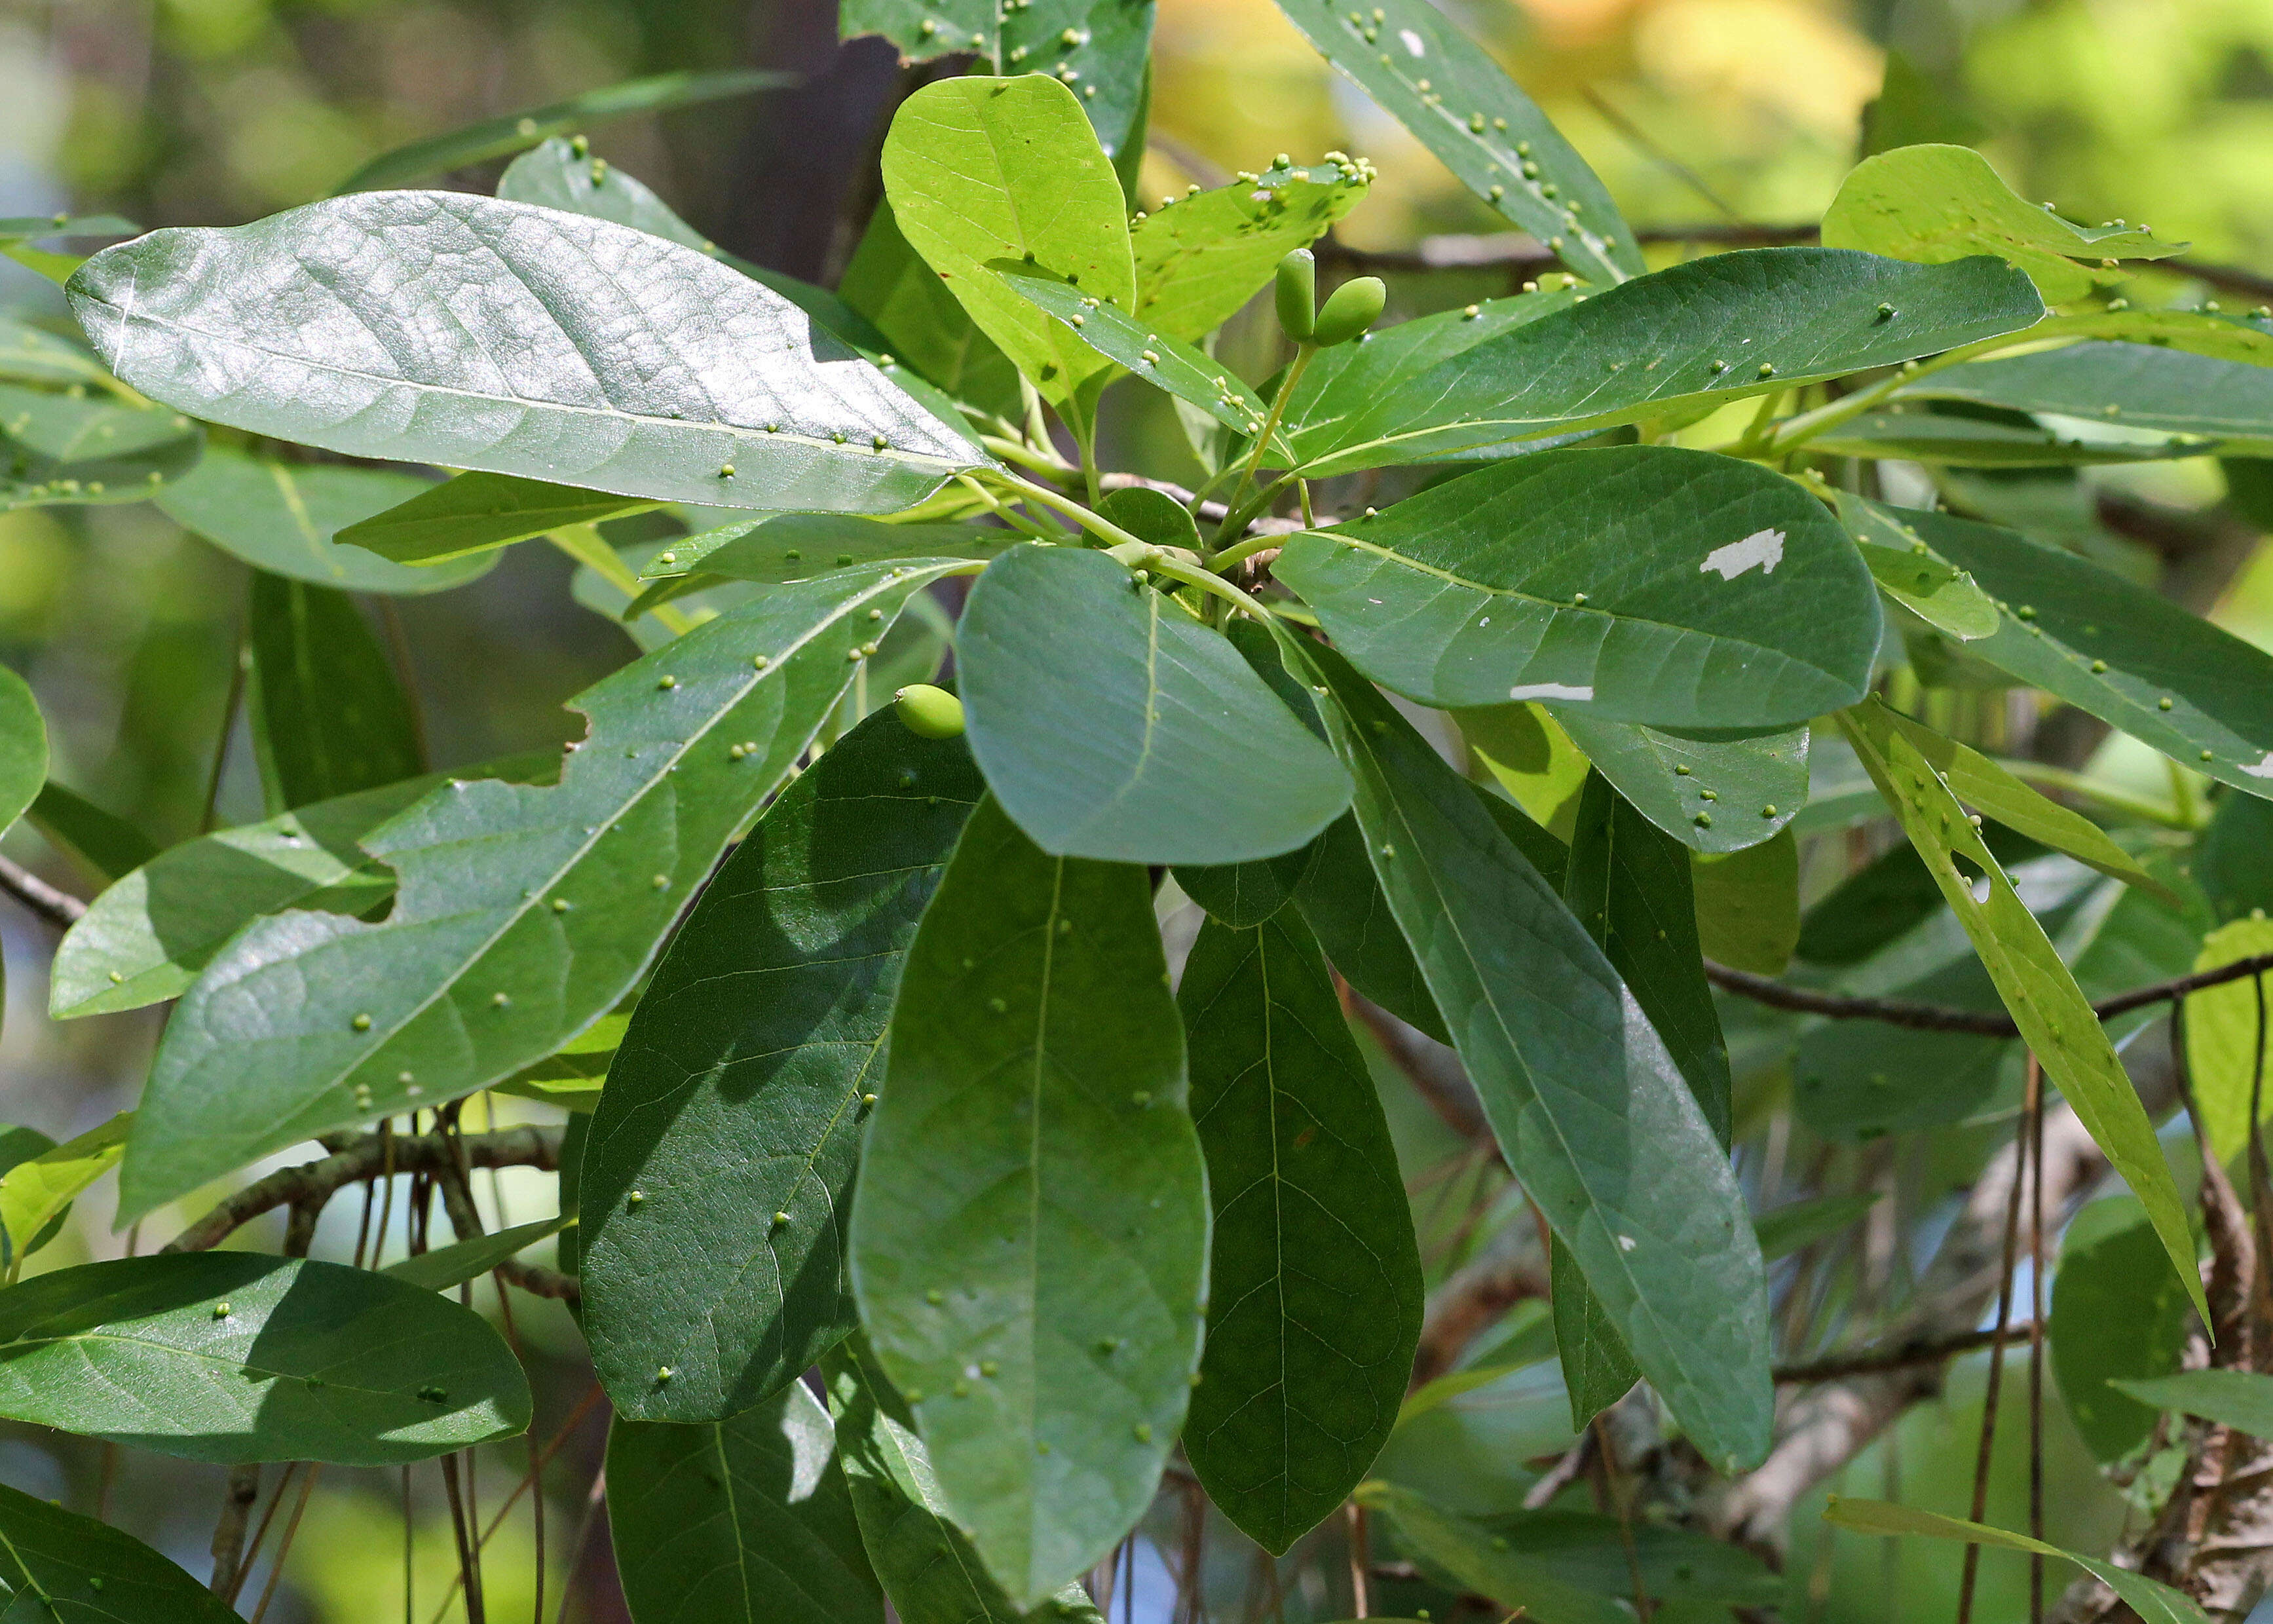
(2262, 770)
(1550, 690)
(1764, 548)
(1412, 41)
(1625, 1243)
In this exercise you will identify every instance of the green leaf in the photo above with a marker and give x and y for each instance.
(1343, 904)
(32, 355)
(1446, 89)
(1980, 782)
(494, 137)
(572, 1077)
(1678, 1566)
(1913, 575)
(1598, 1370)
(2116, 1312)
(146, 936)
(234, 1356)
(2055, 1020)
(2224, 1042)
(797, 547)
(1243, 894)
(553, 369)
(2129, 655)
(1030, 1249)
(42, 228)
(474, 513)
(80, 450)
(2233, 863)
(1935, 203)
(1580, 1090)
(747, 1518)
(1346, 381)
(888, 283)
(1525, 751)
(1313, 1258)
(287, 518)
(1200, 258)
(1803, 1223)
(1693, 335)
(1951, 434)
(82, 1571)
(1712, 789)
(524, 914)
(106, 843)
(328, 714)
(562, 174)
(17, 1145)
(36, 1191)
(1629, 883)
(929, 1571)
(2239, 1399)
(2131, 386)
(1647, 584)
(468, 1260)
(1167, 362)
(1748, 904)
(1111, 724)
(750, 1065)
(980, 169)
(2156, 1603)
(23, 747)
(1100, 48)
(1477, 1560)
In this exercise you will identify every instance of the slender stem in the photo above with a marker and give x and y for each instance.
(1096, 524)
(284, 1545)
(1361, 1599)
(1145, 555)
(1025, 455)
(1003, 511)
(228, 721)
(1908, 1355)
(1286, 392)
(59, 908)
(1807, 426)
(1309, 518)
(1240, 553)
(1753, 440)
(1085, 434)
(1980, 1506)
(2035, 1107)
(1236, 521)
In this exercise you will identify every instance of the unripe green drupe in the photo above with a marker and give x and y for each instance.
(1350, 310)
(1298, 294)
(928, 712)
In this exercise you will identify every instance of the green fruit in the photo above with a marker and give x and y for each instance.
(1298, 294)
(1350, 310)
(928, 712)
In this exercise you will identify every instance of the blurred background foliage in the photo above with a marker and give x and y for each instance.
(1695, 112)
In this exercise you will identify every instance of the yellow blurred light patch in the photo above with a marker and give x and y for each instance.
(1779, 55)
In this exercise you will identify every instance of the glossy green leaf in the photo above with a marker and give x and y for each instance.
(797, 547)
(2116, 1313)
(78, 1570)
(888, 283)
(1748, 905)
(1647, 584)
(1446, 89)
(2129, 655)
(1524, 750)
(328, 714)
(1343, 384)
(2036, 988)
(23, 747)
(2133, 385)
(234, 1356)
(17, 1145)
(929, 1571)
(37, 1191)
(1200, 258)
(288, 518)
(2239, 1399)
(1680, 1567)
(106, 843)
(2203, 331)
(80, 448)
(1477, 1560)
(573, 1076)
(1980, 782)
(1803, 1223)
(1581, 1092)
(1343, 904)
(1628, 882)
(553, 369)
(1036, 1290)
(494, 137)
(1693, 335)
(1598, 1370)
(1935, 203)
(560, 173)
(2154, 1602)
(1167, 363)
(146, 936)
(718, 1176)
(32, 355)
(1243, 894)
(1111, 724)
(747, 1518)
(2224, 1042)
(433, 526)
(980, 169)
(1955, 434)
(1712, 789)
(1314, 1272)
(1913, 575)
(524, 914)
(454, 1265)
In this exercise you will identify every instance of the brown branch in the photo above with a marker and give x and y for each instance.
(465, 1221)
(1939, 1018)
(366, 1157)
(1911, 1355)
(59, 908)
